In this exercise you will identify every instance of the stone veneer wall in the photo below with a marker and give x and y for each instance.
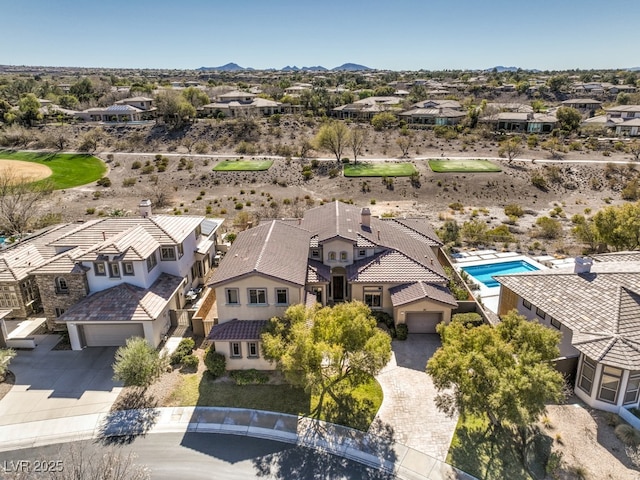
(13, 289)
(78, 289)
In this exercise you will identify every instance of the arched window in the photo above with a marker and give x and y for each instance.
(332, 255)
(343, 256)
(61, 285)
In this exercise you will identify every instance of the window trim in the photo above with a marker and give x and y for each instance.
(539, 311)
(286, 294)
(601, 386)
(164, 253)
(61, 285)
(249, 348)
(227, 291)
(257, 295)
(127, 265)
(180, 249)
(372, 292)
(99, 269)
(592, 365)
(315, 253)
(526, 304)
(362, 252)
(632, 376)
(344, 256)
(555, 323)
(332, 256)
(114, 270)
(59, 312)
(232, 349)
(152, 262)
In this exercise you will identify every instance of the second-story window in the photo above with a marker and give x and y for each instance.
(180, 250)
(99, 269)
(167, 253)
(127, 268)
(343, 256)
(152, 261)
(114, 270)
(61, 285)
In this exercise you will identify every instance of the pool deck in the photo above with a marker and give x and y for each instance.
(490, 297)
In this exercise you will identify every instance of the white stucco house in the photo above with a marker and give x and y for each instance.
(335, 253)
(596, 307)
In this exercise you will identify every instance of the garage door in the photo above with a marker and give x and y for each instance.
(111, 335)
(423, 322)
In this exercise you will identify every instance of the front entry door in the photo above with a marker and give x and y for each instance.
(338, 289)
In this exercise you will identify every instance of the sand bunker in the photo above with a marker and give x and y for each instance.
(20, 170)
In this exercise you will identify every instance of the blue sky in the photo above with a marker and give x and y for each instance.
(396, 35)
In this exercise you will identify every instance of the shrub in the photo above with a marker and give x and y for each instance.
(129, 182)
(383, 317)
(471, 319)
(627, 434)
(239, 206)
(249, 377)
(549, 228)
(184, 348)
(147, 169)
(513, 210)
(91, 211)
(135, 165)
(104, 182)
(215, 362)
(539, 181)
(402, 331)
(190, 362)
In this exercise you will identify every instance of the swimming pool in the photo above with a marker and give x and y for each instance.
(484, 273)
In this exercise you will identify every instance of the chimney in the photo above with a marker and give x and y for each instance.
(582, 265)
(145, 208)
(365, 217)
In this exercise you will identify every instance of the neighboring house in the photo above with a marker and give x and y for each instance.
(434, 112)
(623, 119)
(596, 307)
(367, 108)
(112, 278)
(132, 109)
(335, 253)
(237, 104)
(521, 122)
(583, 105)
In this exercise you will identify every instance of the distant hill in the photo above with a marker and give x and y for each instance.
(634, 69)
(350, 67)
(229, 67)
(501, 69)
(317, 68)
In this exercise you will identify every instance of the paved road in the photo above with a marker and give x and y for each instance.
(196, 456)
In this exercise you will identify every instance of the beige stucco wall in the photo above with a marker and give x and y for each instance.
(357, 293)
(337, 246)
(400, 313)
(244, 311)
(244, 362)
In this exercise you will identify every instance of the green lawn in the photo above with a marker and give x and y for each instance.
(488, 455)
(462, 166)
(357, 410)
(403, 169)
(243, 166)
(68, 169)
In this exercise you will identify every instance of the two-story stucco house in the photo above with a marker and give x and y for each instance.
(596, 307)
(335, 253)
(113, 278)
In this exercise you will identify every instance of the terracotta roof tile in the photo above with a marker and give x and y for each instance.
(411, 292)
(390, 267)
(237, 330)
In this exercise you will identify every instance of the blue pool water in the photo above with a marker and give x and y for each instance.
(485, 273)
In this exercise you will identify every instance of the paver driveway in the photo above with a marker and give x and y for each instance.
(408, 405)
(54, 384)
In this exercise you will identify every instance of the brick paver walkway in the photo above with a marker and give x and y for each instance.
(408, 405)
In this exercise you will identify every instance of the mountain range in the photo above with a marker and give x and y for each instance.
(234, 67)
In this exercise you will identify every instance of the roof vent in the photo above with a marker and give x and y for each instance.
(582, 265)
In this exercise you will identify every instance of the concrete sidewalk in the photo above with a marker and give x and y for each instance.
(377, 451)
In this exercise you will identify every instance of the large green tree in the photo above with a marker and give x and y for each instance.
(504, 373)
(29, 107)
(568, 119)
(333, 137)
(174, 108)
(619, 226)
(323, 349)
(138, 364)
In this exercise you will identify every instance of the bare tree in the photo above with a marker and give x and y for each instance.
(357, 141)
(20, 200)
(511, 148)
(159, 194)
(634, 149)
(405, 142)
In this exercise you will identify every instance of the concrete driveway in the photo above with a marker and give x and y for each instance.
(408, 405)
(54, 384)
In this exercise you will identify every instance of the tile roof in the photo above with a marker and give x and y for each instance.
(237, 330)
(617, 257)
(276, 249)
(390, 267)
(125, 302)
(602, 307)
(64, 263)
(133, 244)
(411, 292)
(318, 272)
(421, 227)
